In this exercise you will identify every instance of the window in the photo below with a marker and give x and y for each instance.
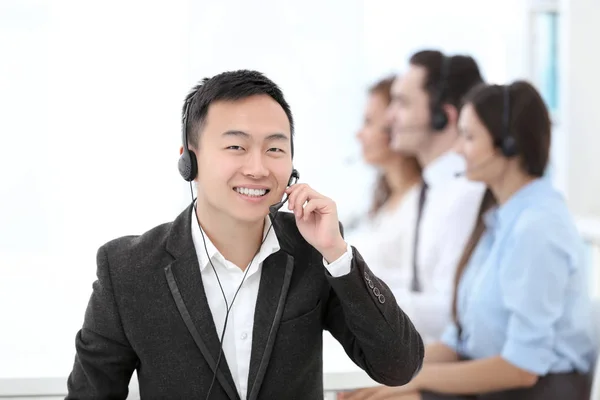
(545, 52)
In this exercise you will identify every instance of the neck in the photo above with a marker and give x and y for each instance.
(440, 143)
(510, 182)
(400, 174)
(237, 241)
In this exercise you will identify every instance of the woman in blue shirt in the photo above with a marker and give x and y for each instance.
(522, 316)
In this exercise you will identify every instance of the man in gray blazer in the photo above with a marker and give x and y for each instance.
(230, 300)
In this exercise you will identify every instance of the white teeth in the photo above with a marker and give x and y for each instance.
(251, 192)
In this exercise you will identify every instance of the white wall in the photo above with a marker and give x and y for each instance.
(89, 141)
(580, 86)
(394, 30)
(91, 95)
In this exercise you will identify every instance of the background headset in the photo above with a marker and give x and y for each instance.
(188, 168)
(508, 144)
(439, 118)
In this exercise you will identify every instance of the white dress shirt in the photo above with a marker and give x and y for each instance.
(448, 218)
(386, 241)
(237, 343)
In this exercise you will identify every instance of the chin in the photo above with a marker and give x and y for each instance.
(474, 178)
(405, 150)
(249, 217)
(251, 209)
(401, 146)
(373, 161)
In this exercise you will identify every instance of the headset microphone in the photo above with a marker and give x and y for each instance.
(293, 180)
(476, 167)
(275, 207)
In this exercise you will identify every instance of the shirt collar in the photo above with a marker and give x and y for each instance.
(269, 246)
(443, 168)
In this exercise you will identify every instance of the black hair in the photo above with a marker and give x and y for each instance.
(229, 86)
(462, 74)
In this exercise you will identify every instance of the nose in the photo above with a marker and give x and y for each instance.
(359, 134)
(390, 115)
(255, 166)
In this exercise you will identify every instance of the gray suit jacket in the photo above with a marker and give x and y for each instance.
(148, 312)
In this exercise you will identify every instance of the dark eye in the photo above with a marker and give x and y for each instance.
(235, 148)
(275, 149)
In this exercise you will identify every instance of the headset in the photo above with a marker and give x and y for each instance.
(188, 168)
(508, 144)
(439, 118)
(188, 163)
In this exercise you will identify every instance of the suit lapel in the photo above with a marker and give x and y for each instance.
(185, 282)
(274, 283)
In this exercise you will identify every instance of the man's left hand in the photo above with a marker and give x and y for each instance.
(317, 220)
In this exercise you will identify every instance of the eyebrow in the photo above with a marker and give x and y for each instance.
(399, 96)
(245, 135)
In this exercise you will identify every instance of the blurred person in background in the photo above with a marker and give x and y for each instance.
(385, 236)
(423, 114)
(521, 310)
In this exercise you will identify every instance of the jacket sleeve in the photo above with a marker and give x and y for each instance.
(104, 360)
(362, 314)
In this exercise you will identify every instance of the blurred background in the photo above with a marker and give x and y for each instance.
(90, 100)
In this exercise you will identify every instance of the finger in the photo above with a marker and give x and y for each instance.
(300, 198)
(385, 393)
(360, 394)
(292, 192)
(314, 205)
(303, 188)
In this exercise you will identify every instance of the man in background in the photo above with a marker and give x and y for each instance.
(426, 101)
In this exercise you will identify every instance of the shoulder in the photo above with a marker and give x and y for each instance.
(545, 220)
(136, 249)
(547, 226)
(544, 210)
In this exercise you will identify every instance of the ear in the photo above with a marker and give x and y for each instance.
(452, 114)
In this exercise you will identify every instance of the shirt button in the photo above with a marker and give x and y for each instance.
(244, 336)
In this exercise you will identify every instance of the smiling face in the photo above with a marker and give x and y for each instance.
(374, 136)
(244, 157)
(483, 161)
(409, 114)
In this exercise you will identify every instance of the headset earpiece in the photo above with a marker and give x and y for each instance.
(509, 147)
(188, 163)
(294, 177)
(439, 118)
